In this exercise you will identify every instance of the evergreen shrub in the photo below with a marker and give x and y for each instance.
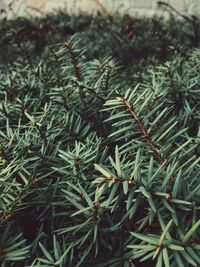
(95, 171)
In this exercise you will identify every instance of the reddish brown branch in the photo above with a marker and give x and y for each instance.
(161, 3)
(74, 61)
(139, 122)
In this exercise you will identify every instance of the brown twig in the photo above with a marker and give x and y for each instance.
(77, 167)
(65, 102)
(74, 62)
(191, 20)
(104, 10)
(175, 11)
(139, 122)
(107, 79)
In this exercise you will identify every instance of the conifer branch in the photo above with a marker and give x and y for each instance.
(74, 62)
(144, 132)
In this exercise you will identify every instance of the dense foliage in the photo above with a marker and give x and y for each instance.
(99, 160)
(130, 40)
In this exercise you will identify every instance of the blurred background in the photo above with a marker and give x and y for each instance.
(131, 7)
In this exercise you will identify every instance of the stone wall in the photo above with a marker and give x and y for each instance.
(132, 7)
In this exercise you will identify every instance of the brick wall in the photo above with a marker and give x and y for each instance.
(132, 7)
